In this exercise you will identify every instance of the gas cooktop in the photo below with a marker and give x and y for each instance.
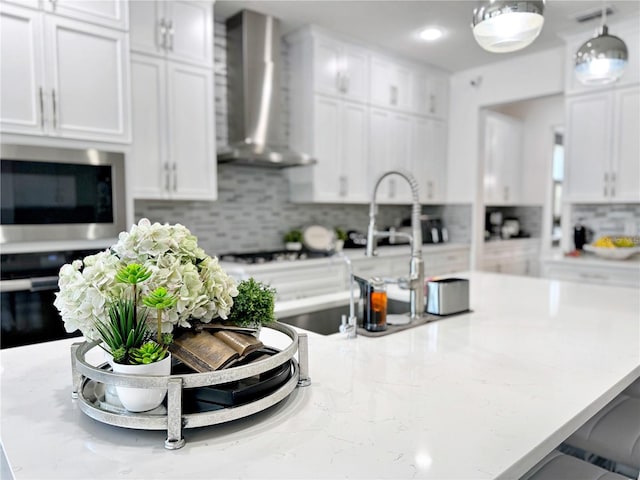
(271, 256)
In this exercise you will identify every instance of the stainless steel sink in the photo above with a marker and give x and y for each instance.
(327, 321)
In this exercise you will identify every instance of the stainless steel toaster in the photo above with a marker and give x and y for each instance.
(447, 296)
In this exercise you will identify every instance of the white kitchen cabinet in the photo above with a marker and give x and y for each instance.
(330, 127)
(603, 146)
(429, 161)
(624, 273)
(391, 84)
(173, 150)
(339, 68)
(412, 143)
(502, 153)
(430, 93)
(336, 136)
(77, 77)
(177, 30)
(390, 136)
(514, 257)
(107, 13)
(445, 259)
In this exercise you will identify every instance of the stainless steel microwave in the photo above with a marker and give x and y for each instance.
(53, 194)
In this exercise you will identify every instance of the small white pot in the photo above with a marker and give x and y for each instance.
(142, 399)
(293, 246)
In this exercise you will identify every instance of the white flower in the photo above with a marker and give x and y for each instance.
(171, 254)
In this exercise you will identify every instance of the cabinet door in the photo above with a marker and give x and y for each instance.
(381, 83)
(147, 30)
(432, 149)
(327, 149)
(625, 174)
(588, 143)
(108, 13)
(190, 32)
(149, 170)
(379, 152)
(502, 159)
(354, 159)
(191, 132)
(88, 68)
(21, 76)
(327, 66)
(391, 84)
(356, 63)
(400, 157)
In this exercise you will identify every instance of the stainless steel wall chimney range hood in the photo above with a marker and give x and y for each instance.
(253, 94)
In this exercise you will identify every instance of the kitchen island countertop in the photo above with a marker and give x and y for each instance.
(481, 395)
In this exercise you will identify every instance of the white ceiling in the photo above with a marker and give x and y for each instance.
(393, 24)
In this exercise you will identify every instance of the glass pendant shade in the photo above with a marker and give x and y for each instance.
(507, 26)
(601, 59)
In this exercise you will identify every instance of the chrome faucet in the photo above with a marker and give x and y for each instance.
(416, 264)
(350, 325)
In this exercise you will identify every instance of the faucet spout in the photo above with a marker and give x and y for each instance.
(416, 264)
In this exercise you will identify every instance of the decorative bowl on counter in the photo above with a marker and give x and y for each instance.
(614, 253)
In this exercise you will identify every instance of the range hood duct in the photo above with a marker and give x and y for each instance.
(253, 94)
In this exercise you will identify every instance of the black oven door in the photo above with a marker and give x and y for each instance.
(28, 315)
(28, 284)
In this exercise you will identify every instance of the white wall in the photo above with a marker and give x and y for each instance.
(524, 77)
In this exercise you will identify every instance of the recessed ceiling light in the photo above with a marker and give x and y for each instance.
(431, 33)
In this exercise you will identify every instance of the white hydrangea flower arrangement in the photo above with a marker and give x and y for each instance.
(171, 254)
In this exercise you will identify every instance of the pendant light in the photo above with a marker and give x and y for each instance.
(507, 25)
(601, 59)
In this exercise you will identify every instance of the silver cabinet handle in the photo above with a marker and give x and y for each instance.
(506, 194)
(429, 189)
(606, 184)
(343, 186)
(162, 34)
(392, 187)
(339, 81)
(55, 108)
(613, 184)
(167, 176)
(41, 93)
(171, 31)
(346, 84)
(394, 95)
(175, 177)
(432, 103)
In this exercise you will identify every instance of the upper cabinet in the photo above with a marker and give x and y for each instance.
(108, 13)
(502, 155)
(603, 146)
(178, 30)
(430, 92)
(339, 68)
(63, 77)
(408, 87)
(173, 152)
(360, 114)
(390, 84)
(173, 155)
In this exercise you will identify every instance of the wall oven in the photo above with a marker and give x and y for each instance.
(27, 291)
(57, 205)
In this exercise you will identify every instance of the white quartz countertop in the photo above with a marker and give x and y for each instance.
(476, 396)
